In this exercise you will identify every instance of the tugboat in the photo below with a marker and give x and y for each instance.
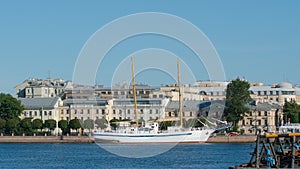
(274, 151)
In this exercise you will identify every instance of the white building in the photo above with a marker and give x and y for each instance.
(38, 88)
(41, 108)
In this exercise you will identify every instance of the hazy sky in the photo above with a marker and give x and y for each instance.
(258, 40)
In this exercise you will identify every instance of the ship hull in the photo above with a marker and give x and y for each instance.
(197, 136)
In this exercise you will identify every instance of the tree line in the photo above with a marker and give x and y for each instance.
(30, 126)
(238, 96)
(10, 122)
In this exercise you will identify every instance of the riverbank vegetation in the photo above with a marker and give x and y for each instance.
(11, 124)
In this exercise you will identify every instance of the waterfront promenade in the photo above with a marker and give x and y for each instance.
(86, 139)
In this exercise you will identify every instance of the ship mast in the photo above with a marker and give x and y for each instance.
(134, 92)
(179, 91)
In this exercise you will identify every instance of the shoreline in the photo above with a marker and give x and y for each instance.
(46, 139)
(87, 139)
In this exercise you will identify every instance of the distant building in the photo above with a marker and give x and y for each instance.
(192, 109)
(83, 109)
(263, 117)
(37, 88)
(276, 93)
(41, 108)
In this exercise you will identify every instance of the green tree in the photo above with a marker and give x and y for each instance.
(291, 111)
(113, 123)
(237, 96)
(10, 107)
(26, 125)
(75, 124)
(50, 124)
(2, 125)
(37, 124)
(101, 123)
(12, 125)
(88, 124)
(63, 125)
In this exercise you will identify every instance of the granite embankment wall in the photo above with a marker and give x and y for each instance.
(85, 139)
(45, 139)
(232, 139)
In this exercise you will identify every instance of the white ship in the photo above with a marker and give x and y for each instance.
(149, 132)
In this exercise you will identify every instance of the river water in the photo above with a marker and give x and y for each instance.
(84, 156)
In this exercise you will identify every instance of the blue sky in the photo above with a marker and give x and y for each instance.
(258, 40)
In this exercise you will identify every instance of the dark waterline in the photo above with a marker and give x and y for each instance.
(84, 156)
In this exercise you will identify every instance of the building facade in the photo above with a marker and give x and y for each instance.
(69, 101)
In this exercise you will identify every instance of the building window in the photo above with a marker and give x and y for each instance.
(259, 122)
(45, 113)
(251, 113)
(50, 113)
(81, 112)
(183, 114)
(103, 111)
(81, 118)
(61, 111)
(250, 121)
(265, 92)
(128, 111)
(170, 114)
(141, 111)
(156, 111)
(191, 114)
(114, 111)
(120, 111)
(277, 92)
(35, 113)
(88, 111)
(150, 111)
(30, 114)
(75, 112)
(97, 111)
(266, 122)
(258, 93)
(160, 96)
(266, 113)
(271, 92)
(154, 96)
(259, 113)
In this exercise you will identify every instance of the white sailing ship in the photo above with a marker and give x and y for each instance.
(149, 132)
